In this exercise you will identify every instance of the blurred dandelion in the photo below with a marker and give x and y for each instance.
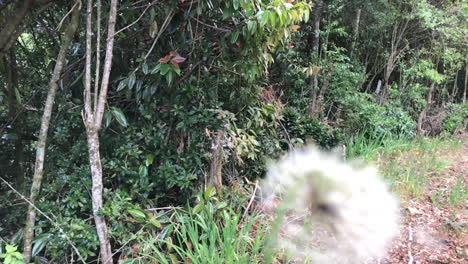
(329, 211)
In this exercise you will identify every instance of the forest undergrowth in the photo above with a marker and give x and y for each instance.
(429, 176)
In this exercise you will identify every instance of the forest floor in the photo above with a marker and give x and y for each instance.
(434, 226)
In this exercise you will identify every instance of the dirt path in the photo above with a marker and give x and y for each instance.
(433, 230)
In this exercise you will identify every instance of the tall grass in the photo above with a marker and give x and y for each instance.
(406, 164)
(209, 234)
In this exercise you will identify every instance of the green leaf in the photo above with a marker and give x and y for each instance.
(210, 192)
(197, 209)
(144, 68)
(234, 36)
(136, 213)
(306, 15)
(235, 4)
(156, 69)
(139, 83)
(131, 80)
(18, 96)
(169, 77)
(122, 84)
(272, 16)
(165, 69)
(264, 18)
(39, 246)
(10, 248)
(251, 26)
(154, 222)
(119, 116)
(149, 160)
(107, 119)
(143, 171)
(177, 71)
(221, 205)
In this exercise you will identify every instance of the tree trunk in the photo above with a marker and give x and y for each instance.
(317, 11)
(92, 117)
(41, 144)
(422, 115)
(96, 172)
(454, 88)
(357, 20)
(313, 96)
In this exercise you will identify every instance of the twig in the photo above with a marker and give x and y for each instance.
(67, 14)
(163, 27)
(224, 69)
(138, 19)
(250, 202)
(210, 26)
(48, 218)
(410, 240)
(164, 208)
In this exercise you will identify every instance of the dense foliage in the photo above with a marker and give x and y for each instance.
(267, 74)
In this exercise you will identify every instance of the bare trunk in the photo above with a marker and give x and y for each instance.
(92, 117)
(313, 96)
(422, 115)
(41, 144)
(318, 6)
(388, 72)
(357, 20)
(215, 178)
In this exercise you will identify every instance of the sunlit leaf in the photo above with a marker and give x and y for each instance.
(149, 160)
(136, 213)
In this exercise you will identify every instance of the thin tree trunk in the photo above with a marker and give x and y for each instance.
(423, 113)
(357, 20)
(41, 144)
(466, 82)
(454, 88)
(318, 7)
(313, 96)
(92, 117)
(96, 172)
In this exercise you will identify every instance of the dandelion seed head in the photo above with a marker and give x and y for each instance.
(326, 201)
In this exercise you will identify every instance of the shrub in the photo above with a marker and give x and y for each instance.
(456, 119)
